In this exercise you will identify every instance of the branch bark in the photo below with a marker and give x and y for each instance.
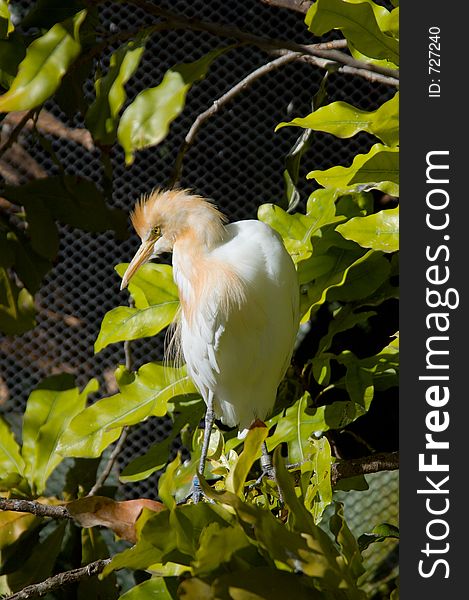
(364, 466)
(35, 508)
(60, 580)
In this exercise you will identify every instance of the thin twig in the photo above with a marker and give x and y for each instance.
(16, 131)
(100, 481)
(177, 20)
(218, 104)
(364, 466)
(300, 6)
(59, 581)
(35, 508)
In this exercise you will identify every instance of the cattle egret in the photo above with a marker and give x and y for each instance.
(239, 298)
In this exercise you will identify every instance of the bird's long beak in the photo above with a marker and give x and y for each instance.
(143, 254)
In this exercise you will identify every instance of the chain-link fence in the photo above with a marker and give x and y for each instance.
(237, 160)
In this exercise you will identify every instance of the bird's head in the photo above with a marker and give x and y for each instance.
(165, 217)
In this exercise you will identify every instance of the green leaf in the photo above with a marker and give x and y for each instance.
(166, 487)
(252, 451)
(102, 117)
(10, 457)
(46, 62)
(152, 284)
(41, 561)
(44, 13)
(94, 548)
(297, 229)
(71, 200)
(142, 394)
(378, 534)
(344, 120)
(357, 22)
(49, 411)
(17, 308)
(379, 231)
(12, 52)
(6, 26)
(346, 541)
(344, 318)
(318, 494)
(378, 169)
(145, 122)
(152, 589)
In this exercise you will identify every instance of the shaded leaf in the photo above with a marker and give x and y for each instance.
(344, 120)
(379, 231)
(378, 534)
(13, 525)
(6, 26)
(93, 547)
(71, 200)
(145, 122)
(102, 117)
(152, 589)
(46, 62)
(346, 541)
(378, 169)
(17, 310)
(344, 318)
(358, 24)
(12, 52)
(118, 516)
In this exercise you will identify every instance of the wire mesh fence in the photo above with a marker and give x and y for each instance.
(237, 160)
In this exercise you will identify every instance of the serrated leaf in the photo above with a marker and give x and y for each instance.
(379, 231)
(378, 169)
(142, 394)
(46, 62)
(11, 460)
(102, 117)
(145, 122)
(344, 120)
(357, 22)
(50, 409)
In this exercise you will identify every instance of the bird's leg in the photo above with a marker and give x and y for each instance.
(268, 470)
(209, 419)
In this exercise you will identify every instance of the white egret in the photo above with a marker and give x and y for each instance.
(239, 298)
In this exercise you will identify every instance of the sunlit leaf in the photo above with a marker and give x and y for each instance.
(49, 411)
(102, 117)
(145, 122)
(344, 120)
(13, 525)
(318, 494)
(251, 451)
(379, 231)
(46, 62)
(142, 394)
(378, 169)
(358, 23)
(11, 460)
(154, 588)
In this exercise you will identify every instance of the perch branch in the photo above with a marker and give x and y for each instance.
(364, 466)
(35, 508)
(60, 580)
(218, 104)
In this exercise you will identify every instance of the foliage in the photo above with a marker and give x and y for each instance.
(251, 540)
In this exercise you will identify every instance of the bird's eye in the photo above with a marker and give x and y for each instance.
(155, 231)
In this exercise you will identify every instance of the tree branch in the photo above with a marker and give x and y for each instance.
(218, 104)
(300, 6)
(35, 508)
(176, 20)
(16, 131)
(364, 466)
(60, 580)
